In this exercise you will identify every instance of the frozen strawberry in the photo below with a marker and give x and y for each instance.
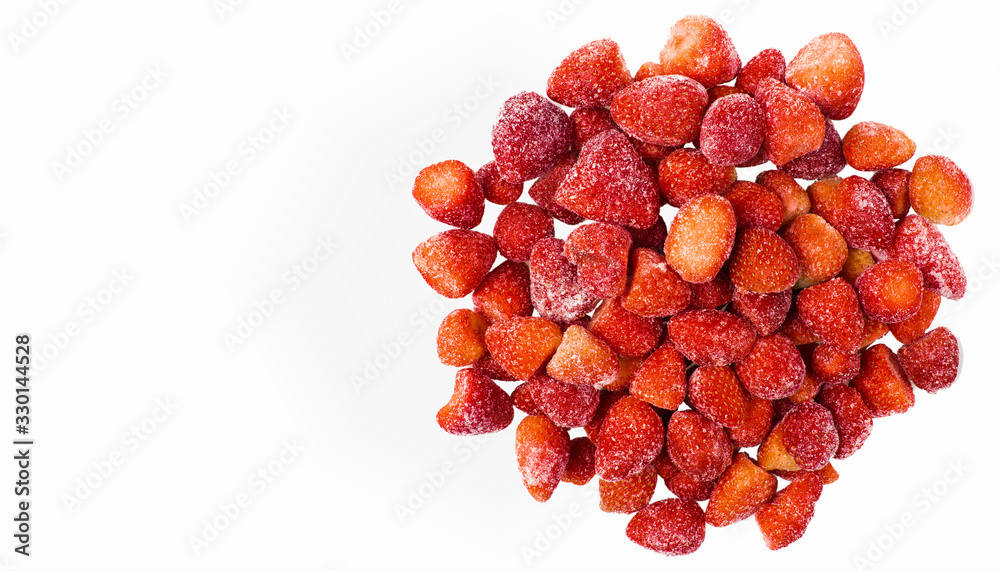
(768, 63)
(699, 48)
(661, 380)
(701, 238)
(521, 345)
(795, 329)
(543, 191)
(793, 125)
(712, 294)
(478, 406)
(940, 191)
(762, 262)
(890, 291)
(495, 188)
(686, 174)
(755, 205)
(732, 130)
(820, 249)
(647, 70)
(670, 527)
(921, 243)
(630, 494)
(772, 454)
(807, 390)
(711, 337)
(756, 424)
(651, 238)
(542, 451)
(740, 492)
(831, 364)
(831, 310)
(521, 397)
(460, 338)
(583, 359)
(518, 227)
(697, 445)
(662, 110)
(567, 405)
(767, 311)
(895, 185)
(589, 76)
(587, 122)
(826, 161)
(628, 334)
(859, 211)
(608, 399)
(716, 392)
(530, 136)
(580, 467)
(449, 192)
(909, 330)
(504, 292)
(784, 519)
(631, 437)
(931, 362)
(794, 199)
(871, 146)
(850, 415)
(856, 263)
(829, 71)
(610, 183)
(664, 466)
(555, 290)
(454, 262)
(686, 487)
(773, 368)
(600, 253)
(809, 435)
(655, 289)
(882, 382)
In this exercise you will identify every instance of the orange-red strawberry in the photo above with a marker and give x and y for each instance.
(768, 63)
(784, 519)
(755, 205)
(542, 451)
(600, 253)
(699, 48)
(630, 494)
(628, 334)
(477, 406)
(909, 330)
(740, 492)
(831, 364)
(449, 192)
(882, 382)
(630, 437)
(583, 359)
(794, 198)
(661, 380)
(504, 292)
(829, 71)
(763, 262)
(767, 311)
(686, 174)
(701, 238)
(608, 399)
(687, 487)
(890, 291)
(521, 345)
(717, 393)
(793, 125)
(940, 191)
(655, 289)
(589, 76)
(460, 340)
(820, 249)
(871, 146)
(661, 110)
(454, 262)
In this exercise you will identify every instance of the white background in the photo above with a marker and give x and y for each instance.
(371, 449)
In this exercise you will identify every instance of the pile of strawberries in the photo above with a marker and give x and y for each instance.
(752, 323)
